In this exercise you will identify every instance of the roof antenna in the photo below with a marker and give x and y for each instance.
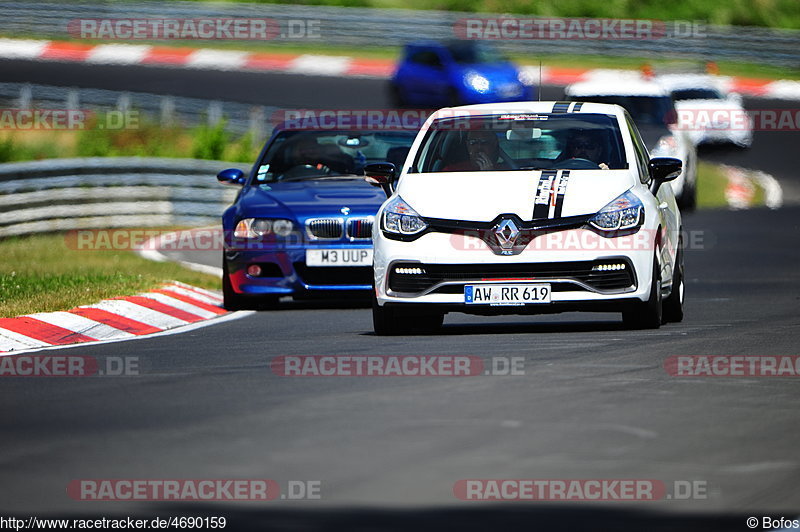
(539, 91)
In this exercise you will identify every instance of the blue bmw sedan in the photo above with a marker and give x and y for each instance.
(302, 223)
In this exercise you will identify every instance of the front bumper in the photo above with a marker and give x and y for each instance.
(285, 272)
(564, 260)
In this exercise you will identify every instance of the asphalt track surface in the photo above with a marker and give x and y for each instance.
(594, 402)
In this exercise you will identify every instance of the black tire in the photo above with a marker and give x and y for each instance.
(233, 301)
(391, 320)
(453, 98)
(673, 305)
(395, 96)
(647, 314)
(687, 201)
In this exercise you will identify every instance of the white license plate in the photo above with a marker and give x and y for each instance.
(339, 257)
(506, 294)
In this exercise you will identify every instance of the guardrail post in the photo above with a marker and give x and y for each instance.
(214, 113)
(25, 97)
(256, 128)
(167, 111)
(73, 99)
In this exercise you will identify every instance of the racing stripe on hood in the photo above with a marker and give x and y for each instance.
(577, 107)
(561, 107)
(541, 203)
(560, 190)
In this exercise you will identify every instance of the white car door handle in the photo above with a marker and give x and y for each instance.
(663, 205)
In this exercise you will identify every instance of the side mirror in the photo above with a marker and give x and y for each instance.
(380, 175)
(735, 97)
(231, 176)
(663, 169)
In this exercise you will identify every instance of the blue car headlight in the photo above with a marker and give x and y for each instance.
(476, 81)
(400, 219)
(260, 227)
(625, 212)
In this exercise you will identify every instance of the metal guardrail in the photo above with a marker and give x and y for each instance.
(99, 192)
(394, 27)
(161, 109)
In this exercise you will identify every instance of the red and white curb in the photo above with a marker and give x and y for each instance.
(310, 64)
(742, 184)
(173, 306)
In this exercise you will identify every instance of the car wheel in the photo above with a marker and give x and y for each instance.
(453, 98)
(673, 305)
(395, 96)
(688, 198)
(391, 321)
(647, 314)
(233, 301)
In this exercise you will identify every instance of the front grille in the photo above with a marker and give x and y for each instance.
(607, 280)
(359, 228)
(325, 228)
(315, 275)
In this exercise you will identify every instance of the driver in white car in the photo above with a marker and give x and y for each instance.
(585, 145)
(483, 149)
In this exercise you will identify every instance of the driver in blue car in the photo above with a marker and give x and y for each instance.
(585, 145)
(327, 158)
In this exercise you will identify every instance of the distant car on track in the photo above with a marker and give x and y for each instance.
(524, 208)
(653, 111)
(302, 222)
(709, 113)
(433, 75)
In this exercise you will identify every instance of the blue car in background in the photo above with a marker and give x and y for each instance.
(433, 75)
(302, 222)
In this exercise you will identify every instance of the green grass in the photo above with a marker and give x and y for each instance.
(711, 183)
(145, 140)
(42, 274)
(772, 13)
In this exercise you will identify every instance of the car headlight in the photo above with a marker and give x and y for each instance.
(399, 218)
(667, 146)
(625, 212)
(526, 78)
(476, 81)
(259, 227)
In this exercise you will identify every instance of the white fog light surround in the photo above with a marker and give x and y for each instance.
(409, 270)
(400, 219)
(625, 212)
(609, 267)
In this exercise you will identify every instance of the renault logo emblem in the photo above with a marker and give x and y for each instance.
(507, 233)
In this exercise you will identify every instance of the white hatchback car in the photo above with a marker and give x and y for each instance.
(525, 208)
(651, 107)
(707, 111)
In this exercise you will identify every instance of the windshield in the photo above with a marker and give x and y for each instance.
(522, 142)
(696, 94)
(296, 155)
(469, 53)
(645, 110)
